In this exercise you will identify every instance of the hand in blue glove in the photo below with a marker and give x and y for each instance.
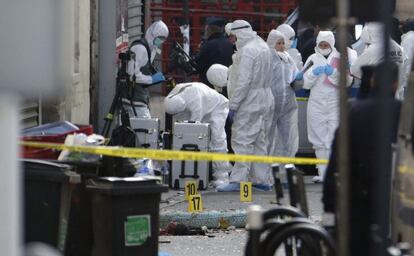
(157, 77)
(318, 70)
(299, 76)
(329, 70)
(232, 114)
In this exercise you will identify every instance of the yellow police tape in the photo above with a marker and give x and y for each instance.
(302, 98)
(173, 154)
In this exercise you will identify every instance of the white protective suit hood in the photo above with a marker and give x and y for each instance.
(325, 36)
(157, 29)
(243, 32)
(372, 33)
(288, 32)
(227, 28)
(272, 38)
(217, 75)
(174, 104)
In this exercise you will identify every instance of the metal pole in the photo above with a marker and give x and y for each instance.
(147, 15)
(381, 194)
(255, 221)
(186, 12)
(343, 145)
(10, 182)
(186, 23)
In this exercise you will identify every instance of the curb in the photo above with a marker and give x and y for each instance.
(210, 219)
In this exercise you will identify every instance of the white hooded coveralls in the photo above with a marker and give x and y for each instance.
(201, 103)
(290, 34)
(284, 132)
(323, 104)
(251, 97)
(407, 43)
(157, 29)
(372, 36)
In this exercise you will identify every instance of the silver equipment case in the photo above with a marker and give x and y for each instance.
(190, 136)
(147, 132)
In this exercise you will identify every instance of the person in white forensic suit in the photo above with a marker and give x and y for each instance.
(291, 43)
(198, 102)
(251, 106)
(407, 43)
(322, 79)
(284, 132)
(227, 30)
(141, 70)
(372, 37)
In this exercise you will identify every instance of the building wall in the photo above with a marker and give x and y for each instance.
(73, 103)
(79, 87)
(405, 9)
(135, 19)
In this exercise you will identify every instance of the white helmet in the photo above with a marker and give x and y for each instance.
(372, 33)
(217, 75)
(243, 32)
(157, 29)
(174, 104)
(227, 29)
(273, 37)
(326, 36)
(288, 32)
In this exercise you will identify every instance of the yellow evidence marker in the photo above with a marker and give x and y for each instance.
(190, 189)
(245, 191)
(195, 204)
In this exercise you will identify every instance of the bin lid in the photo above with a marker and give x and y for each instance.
(56, 128)
(127, 186)
(85, 169)
(35, 169)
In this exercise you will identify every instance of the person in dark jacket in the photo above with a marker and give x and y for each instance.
(362, 158)
(307, 42)
(216, 50)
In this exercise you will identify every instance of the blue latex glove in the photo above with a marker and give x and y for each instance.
(157, 77)
(329, 70)
(232, 114)
(318, 70)
(299, 76)
(294, 43)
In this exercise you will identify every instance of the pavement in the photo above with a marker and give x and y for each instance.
(225, 242)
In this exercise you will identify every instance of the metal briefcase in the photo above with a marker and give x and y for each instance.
(190, 136)
(147, 132)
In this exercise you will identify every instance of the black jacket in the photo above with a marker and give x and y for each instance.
(363, 164)
(362, 129)
(216, 50)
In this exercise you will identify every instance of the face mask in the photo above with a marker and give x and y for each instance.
(158, 42)
(324, 52)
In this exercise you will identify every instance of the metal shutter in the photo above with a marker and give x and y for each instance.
(30, 113)
(135, 19)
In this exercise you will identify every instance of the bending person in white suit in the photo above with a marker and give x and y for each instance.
(198, 102)
(323, 106)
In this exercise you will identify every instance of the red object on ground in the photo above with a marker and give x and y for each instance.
(44, 153)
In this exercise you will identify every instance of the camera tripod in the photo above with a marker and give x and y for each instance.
(122, 88)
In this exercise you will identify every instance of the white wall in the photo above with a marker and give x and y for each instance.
(79, 97)
(74, 104)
